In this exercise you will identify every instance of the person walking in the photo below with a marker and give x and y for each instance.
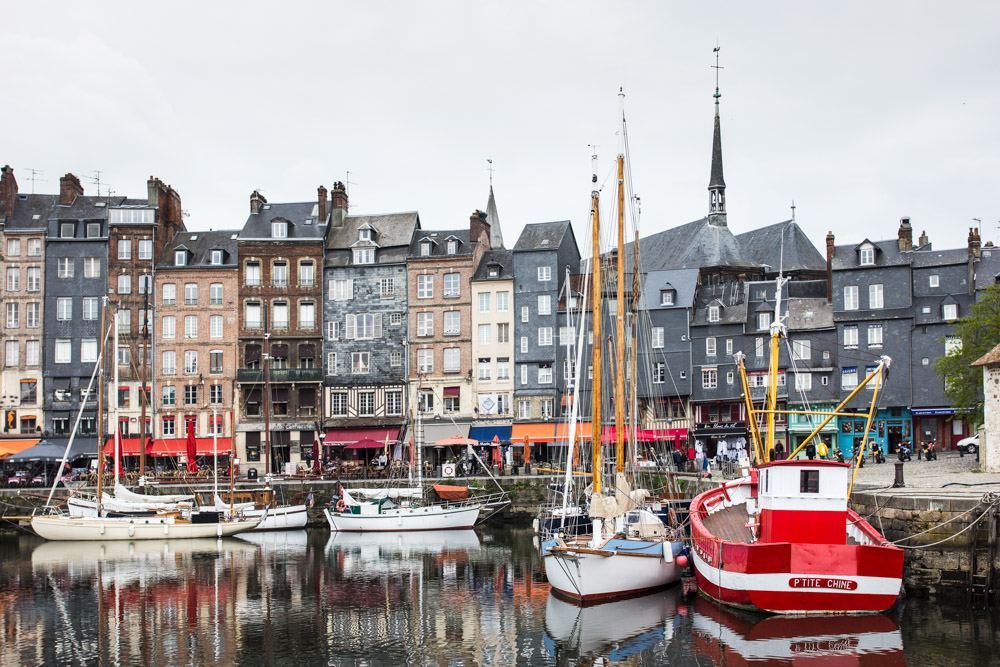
(810, 451)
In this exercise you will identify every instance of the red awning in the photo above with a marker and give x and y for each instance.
(366, 444)
(349, 436)
(452, 391)
(169, 447)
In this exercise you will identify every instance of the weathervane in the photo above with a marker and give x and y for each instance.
(717, 67)
(490, 169)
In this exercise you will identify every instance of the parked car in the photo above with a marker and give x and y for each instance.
(19, 478)
(40, 480)
(968, 445)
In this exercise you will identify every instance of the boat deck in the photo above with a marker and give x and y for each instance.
(730, 525)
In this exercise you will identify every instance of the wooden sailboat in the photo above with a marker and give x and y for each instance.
(629, 550)
(783, 538)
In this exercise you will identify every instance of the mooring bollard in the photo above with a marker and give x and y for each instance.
(898, 484)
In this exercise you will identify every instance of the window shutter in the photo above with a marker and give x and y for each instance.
(378, 325)
(350, 327)
(329, 330)
(350, 288)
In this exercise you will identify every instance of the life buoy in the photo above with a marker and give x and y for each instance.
(341, 505)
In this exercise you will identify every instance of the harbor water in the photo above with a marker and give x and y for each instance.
(455, 598)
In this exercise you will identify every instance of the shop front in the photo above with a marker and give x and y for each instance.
(890, 428)
(944, 426)
(728, 440)
(800, 426)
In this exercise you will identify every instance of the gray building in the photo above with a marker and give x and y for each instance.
(364, 312)
(542, 256)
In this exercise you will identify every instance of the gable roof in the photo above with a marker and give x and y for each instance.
(930, 258)
(439, 248)
(682, 281)
(302, 218)
(542, 236)
(505, 258)
(846, 256)
(782, 244)
(89, 207)
(26, 207)
(694, 245)
(201, 244)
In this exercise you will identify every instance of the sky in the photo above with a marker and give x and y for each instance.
(859, 112)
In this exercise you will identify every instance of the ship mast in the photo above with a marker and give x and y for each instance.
(777, 328)
(620, 324)
(595, 390)
(100, 406)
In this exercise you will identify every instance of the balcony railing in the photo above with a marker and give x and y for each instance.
(280, 375)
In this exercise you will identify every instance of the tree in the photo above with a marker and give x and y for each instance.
(979, 333)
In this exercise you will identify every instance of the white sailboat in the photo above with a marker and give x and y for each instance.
(399, 509)
(629, 551)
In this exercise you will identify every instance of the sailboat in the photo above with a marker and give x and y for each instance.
(160, 525)
(629, 551)
(783, 539)
(399, 509)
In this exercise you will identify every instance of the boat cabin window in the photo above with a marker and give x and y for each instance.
(809, 481)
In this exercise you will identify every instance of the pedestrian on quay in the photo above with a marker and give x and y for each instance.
(677, 458)
(810, 451)
(822, 450)
(690, 455)
(779, 450)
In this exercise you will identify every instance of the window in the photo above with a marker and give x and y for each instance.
(29, 393)
(145, 283)
(875, 335)
(13, 315)
(809, 481)
(875, 296)
(952, 345)
(180, 258)
(279, 274)
(867, 255)
(544, 336)
(503, 302)
(191, 326)
(63, 351)
(523, 409)
(729, 346)
(145, 249)
(950, 311)
(425, 324)
(12, 353)
(13, 279)
(503, 332)
(93, 230)
(452, 360)
(710, 346)
(658, 337)
(364, 234)
(524, 344)
(667, 297)
(124, 249)
(425, 400)
(169, 424)
(215, 421)
(758, 347)
(394, 403)
(67, 230)
(452, 322)
(763, 321)
(425, 361)
(524, 374)
(425, 287)
(34, 247)
(332, 363)
(567, 336)
(191, 294)
(13, 247)
(659, 372)
(190, 394)
(332, 330)
(32, 352)
(34, 283)
(215, 326)
(215, 294)
(484, 334)
(364, 255)
(713, 313)
(484, 369)
(169, 326)
(803, 382)
(545, 374)
(169, 365)
(850, 297)
(396, 359)
(850, 336)
(525, 314)
(452, 246)
(64, 267)
(425, 248)
(124, 283)
(387, 288)
(849, 377)
(32, 317)
(546, 406)
(503, 368)
(190, 362)
(64, 309)
(451, 285)
(360, 363)
(484, 302)
(124, 397)
(366, 403)
(341, 289)
(216, 258)
(169, 294)
(729, 377)
(801, 350)
(279, 230)
(280, 315)
(544, 274)
(251, 275)
(338, 403)
(933, 280)
(544, 304)
(709, 378)
(307, 315)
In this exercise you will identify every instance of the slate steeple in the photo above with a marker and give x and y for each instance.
(717, 183)
(492, 217)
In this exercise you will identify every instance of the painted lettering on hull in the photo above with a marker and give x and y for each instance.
(823, 582)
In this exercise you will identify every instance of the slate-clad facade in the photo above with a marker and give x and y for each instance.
(365, 320)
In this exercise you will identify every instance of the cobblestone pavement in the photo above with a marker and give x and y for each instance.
(949, 468)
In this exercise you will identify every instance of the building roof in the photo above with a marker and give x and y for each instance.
(808, 314)
(90, 207)
(200, 245)
(694, 245)
(301, 216)
(886, 254)
(783, 245)
(26, 208)
(716, 179)
(542, 236)
(492, 217)
(683, 281)
(731, 296)
(505, 258)
(991, 358)
(393, 233)
(988, 269)
(929, 258)
(439, 245)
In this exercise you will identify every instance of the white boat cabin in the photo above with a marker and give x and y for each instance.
(803, 501)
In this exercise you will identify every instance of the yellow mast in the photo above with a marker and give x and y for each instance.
(772, 373)
(620, 325)
(634, 349)
(595, 392)
(751, 413)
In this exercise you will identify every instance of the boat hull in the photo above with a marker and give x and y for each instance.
(432, 517)
(87, 507)
(592, 576)
(65, 528)
(285, 517)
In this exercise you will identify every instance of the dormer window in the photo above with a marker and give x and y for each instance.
(667, 297)
(452, 247)
(364, 235)
(279, 229)
(180, 258)
(216, 258)
(425, 248)
(713, 314)
(493, 271)
(949, 311)
(763, 321)
(364, 255)
(867, 255)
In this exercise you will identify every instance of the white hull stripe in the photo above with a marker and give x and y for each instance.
(778, 582)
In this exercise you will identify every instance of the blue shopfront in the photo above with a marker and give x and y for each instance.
(890, 427)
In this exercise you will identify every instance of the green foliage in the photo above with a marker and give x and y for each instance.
(980, 333)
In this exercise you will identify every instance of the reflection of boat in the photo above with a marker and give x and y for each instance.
(615, 630)
(87, 554)
(285, 540)
(732, 637)
(410, 543)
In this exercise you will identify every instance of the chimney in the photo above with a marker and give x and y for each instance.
(8, 192)
(321, 200)
(478, 227)
(829, 266)
(905, 235)
(923, 240)
(338, 204)
(974, 243)
(257, 201)
(69, 189)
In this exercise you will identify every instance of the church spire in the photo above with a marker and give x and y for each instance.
(717, 183)
(492, 217)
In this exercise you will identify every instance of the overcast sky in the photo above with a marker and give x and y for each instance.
(861, 112)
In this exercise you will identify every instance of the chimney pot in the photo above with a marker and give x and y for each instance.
(338, 196)
(69, 189)
(924, 239)
(257, 200)
(905, 235)
(321, 198)
(8, 191)
(830, 250)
